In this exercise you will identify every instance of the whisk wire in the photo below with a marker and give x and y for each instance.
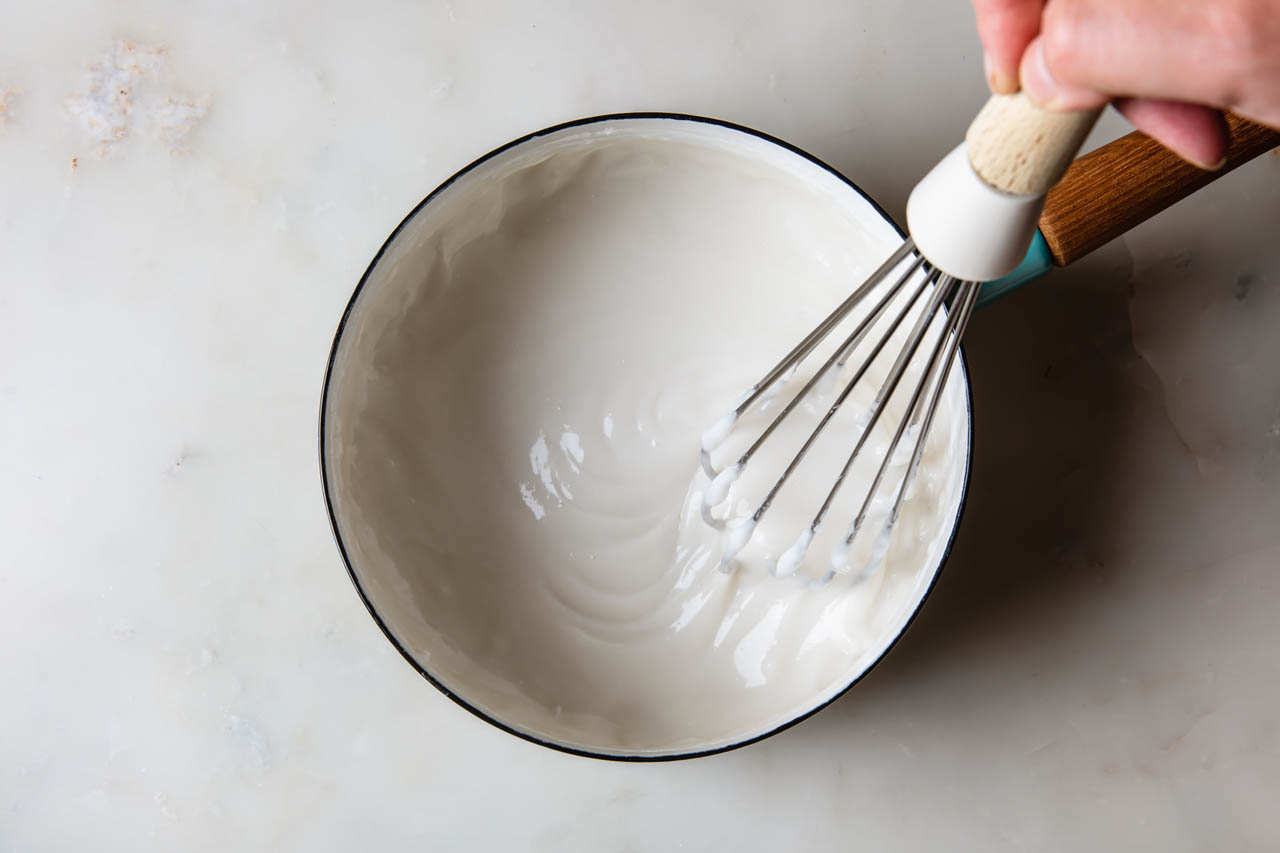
(721, 428)
(824, 328)
(886, 389)
(936, 380)
(721, 481)
(930, 277)
(962, 312)
(850, 343)
(942, 290)
(914, 411)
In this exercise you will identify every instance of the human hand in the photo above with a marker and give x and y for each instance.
(1167, 64)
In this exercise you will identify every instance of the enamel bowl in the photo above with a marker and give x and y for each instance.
(451, 573)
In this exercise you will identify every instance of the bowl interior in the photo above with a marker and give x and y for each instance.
(517, 391)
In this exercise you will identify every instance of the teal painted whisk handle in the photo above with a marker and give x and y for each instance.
(1039, 260)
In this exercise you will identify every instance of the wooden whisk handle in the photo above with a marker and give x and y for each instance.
(1120, 185)
(1023, 149)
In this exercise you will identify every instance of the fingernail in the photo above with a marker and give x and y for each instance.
(1210, 167)
(1000, 82)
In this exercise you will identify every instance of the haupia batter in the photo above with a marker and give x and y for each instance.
(514, 422)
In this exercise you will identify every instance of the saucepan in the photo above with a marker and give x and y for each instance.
(472, 401)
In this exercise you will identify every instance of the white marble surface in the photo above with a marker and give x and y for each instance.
(185, 665)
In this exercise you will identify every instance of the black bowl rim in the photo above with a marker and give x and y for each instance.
(333, 518)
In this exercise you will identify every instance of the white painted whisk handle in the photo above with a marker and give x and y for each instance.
(1020, 148)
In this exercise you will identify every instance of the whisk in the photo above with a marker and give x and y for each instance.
(972, 220)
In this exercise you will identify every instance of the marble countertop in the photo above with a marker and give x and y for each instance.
(188, 194)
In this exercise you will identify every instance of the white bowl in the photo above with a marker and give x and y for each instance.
(422, 557)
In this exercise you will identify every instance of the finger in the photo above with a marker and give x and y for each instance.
(1006, 27)
(1201, 52)
(1047, 89)
(1196, 134)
